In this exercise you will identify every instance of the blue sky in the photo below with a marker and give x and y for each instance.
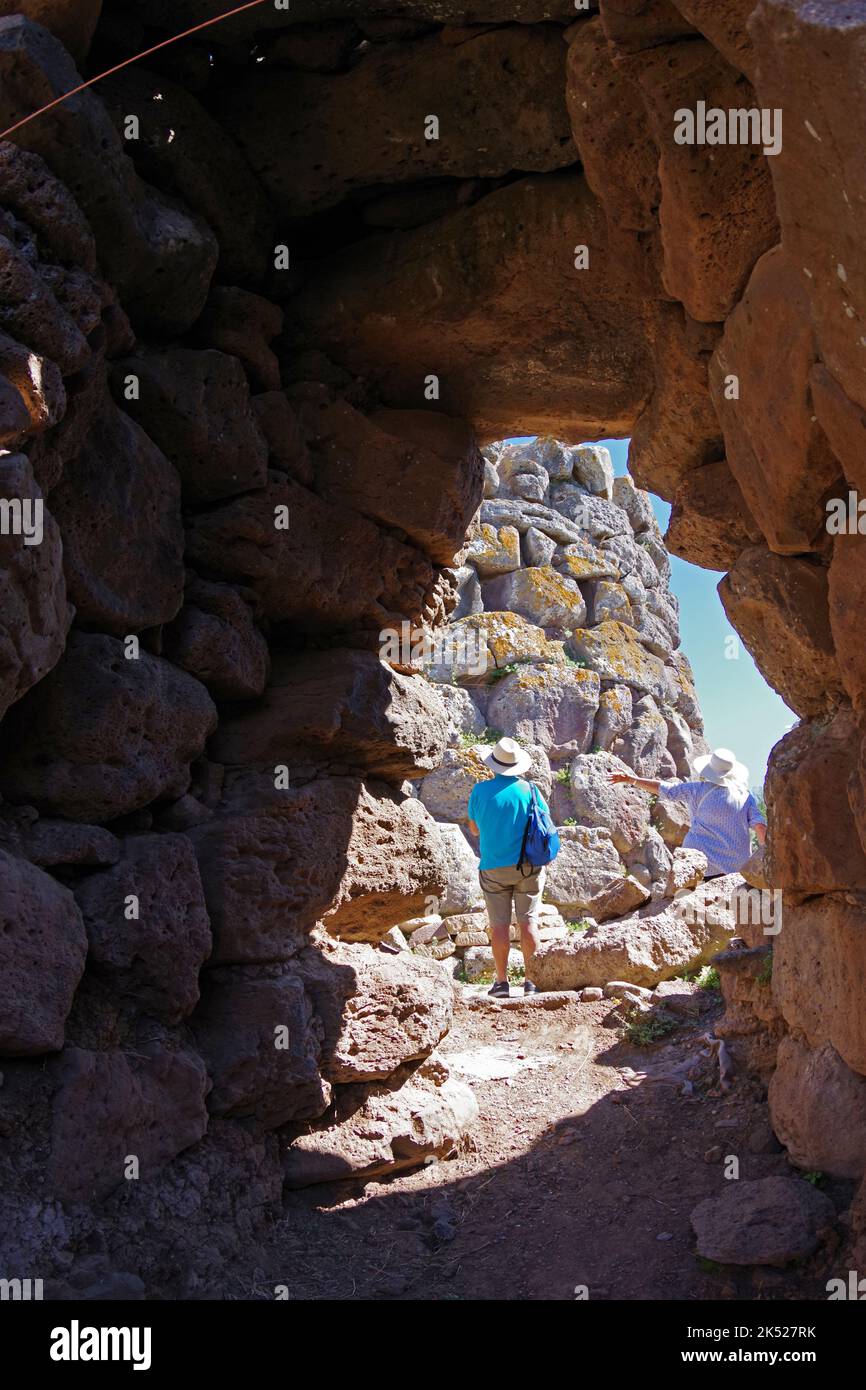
(740, 710)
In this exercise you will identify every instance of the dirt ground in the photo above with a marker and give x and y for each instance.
(571, 1178)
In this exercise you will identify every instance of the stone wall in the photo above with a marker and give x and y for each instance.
(565, 637)
(237, 355)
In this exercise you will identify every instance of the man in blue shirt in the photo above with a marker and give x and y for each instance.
(721, 808)
(498, 815)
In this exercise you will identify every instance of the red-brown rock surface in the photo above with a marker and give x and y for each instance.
(150, 950)
(813, 845)
(505, 110)
(159, 258)
(105, 735)
(821, 947)
(339, 706)
(326, 310)
(810, 63)
(509, 262)
(775, 447)
(779, 607)
(42, 951)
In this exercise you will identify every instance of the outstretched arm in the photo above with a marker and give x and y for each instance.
(645, 783)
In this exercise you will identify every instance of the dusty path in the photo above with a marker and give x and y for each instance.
(571, 1178)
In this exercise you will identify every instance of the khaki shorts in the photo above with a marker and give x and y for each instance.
(504, 887)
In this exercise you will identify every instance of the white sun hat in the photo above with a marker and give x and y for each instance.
(508, 758)
(721, 767)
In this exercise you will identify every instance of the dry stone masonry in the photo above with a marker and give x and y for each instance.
(565, 637)
(263, 300)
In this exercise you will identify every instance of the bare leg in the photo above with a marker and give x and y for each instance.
(500, 951)
(529, 945)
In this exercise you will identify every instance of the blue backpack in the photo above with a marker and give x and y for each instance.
(540, 840)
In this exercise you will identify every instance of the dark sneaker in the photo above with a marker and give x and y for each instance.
(501, 990)
(529, 987)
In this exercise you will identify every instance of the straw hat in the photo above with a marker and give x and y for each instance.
(508, 759)
(721, 767)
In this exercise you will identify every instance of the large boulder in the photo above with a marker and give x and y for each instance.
(623, 811)
(214, 637)
(608, 602)
(775, 447)
(540, 594)
(244, 325)
(586, 866)
(818, 1109)
(338, 707)
(642, 746)
(615, 652)
(118, 507)
(475, 649)
(813, 845)
(70, 21)
(658, 942)
(279, 542)
(147, 1104)
(597, 516)
(819, 958)
(103, 735)
(608, 118)
(49, 843)
(494, 550)
(159, 258)
(32, 393)
(300, 134)
(710, 524)
(147, 927)
(548, 704)
(716, 212)
(525, 515)
(375, 1130)
(778, 605)
(771, 1221)
(35, 611)
(417, 470)
(377, 1012)
(678, 430)
(614, 716)
(196, 407)
(42, 950)
(258, 1034)
(464, 716)
(810, 62)
(844, 581)
(184, 152)
(383, 307)
(462, 890)
(620, 897)
(843, 421)
(445, 791)
(635, 502)
(583, 560)
(360, 858)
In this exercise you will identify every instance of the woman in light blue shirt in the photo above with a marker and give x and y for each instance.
(721, 808)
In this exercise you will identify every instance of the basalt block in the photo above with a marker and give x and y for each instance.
(103, 735)
(159, 258)
(42, 950)
(339, 706)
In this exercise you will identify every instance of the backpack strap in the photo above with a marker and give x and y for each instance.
(532, 805)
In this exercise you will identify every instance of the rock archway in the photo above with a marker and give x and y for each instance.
(262, 300)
